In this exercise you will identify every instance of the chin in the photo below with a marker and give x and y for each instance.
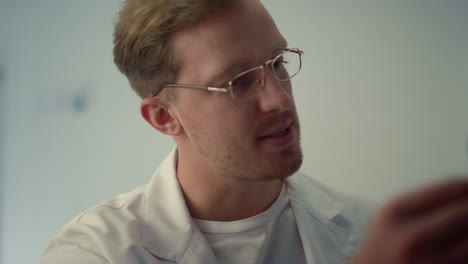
(293, 166)
(290, 163)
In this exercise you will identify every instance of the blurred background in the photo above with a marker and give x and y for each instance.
(383, 100)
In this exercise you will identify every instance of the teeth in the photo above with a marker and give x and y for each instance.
(279, 134)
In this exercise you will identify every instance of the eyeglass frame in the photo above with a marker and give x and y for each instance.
(230, 89)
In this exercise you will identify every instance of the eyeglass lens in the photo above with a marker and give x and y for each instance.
(249, 84)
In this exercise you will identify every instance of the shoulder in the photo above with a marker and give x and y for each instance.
(115, 223)
(122, 208)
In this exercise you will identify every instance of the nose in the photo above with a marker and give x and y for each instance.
(276, 94)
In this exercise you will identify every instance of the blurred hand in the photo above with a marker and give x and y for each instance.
(422, 227)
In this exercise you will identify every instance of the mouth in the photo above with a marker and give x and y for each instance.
(277, 132)
(279, 138)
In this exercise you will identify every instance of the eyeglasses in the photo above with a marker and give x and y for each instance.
(247, 84)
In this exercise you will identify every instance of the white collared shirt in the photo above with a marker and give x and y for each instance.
(152, 225)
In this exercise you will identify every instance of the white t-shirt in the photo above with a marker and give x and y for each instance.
(270, 237)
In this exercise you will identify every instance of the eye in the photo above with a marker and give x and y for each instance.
(279, 62)
(247, 84)
(244, 81)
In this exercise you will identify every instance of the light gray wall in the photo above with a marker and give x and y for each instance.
(2, 144)
(384, 94)
(382, 99)
(74, 136)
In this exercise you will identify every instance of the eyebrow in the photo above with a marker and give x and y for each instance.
(239, 65)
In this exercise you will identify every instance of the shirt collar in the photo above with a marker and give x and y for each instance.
(314, 195)
(167, 224)
(168, 228)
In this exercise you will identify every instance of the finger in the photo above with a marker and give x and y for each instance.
(459, 253)
(423, 201)
(442, 230)
(456, 255)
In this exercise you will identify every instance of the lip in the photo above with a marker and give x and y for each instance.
(282, 141)
(277, 130)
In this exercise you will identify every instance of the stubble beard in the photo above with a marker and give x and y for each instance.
(224, 163)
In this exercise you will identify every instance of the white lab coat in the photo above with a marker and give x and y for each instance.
(152, 225)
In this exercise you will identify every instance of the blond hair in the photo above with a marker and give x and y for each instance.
(141, 33)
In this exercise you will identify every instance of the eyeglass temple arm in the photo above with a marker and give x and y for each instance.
(214, 89)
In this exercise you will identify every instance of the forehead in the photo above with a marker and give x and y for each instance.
(242, 35)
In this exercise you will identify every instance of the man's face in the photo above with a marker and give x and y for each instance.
(256, 139)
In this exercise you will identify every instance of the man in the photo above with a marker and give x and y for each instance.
(215, 76)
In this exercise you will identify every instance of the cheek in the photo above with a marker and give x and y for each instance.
(219, 118)
(243, 127)
(233, 127)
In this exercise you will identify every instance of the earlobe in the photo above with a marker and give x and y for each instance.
(159, 116)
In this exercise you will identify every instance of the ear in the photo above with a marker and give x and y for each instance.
(159, 115)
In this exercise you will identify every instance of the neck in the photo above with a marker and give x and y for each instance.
(210, 194)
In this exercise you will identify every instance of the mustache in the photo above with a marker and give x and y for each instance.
(275, 122)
